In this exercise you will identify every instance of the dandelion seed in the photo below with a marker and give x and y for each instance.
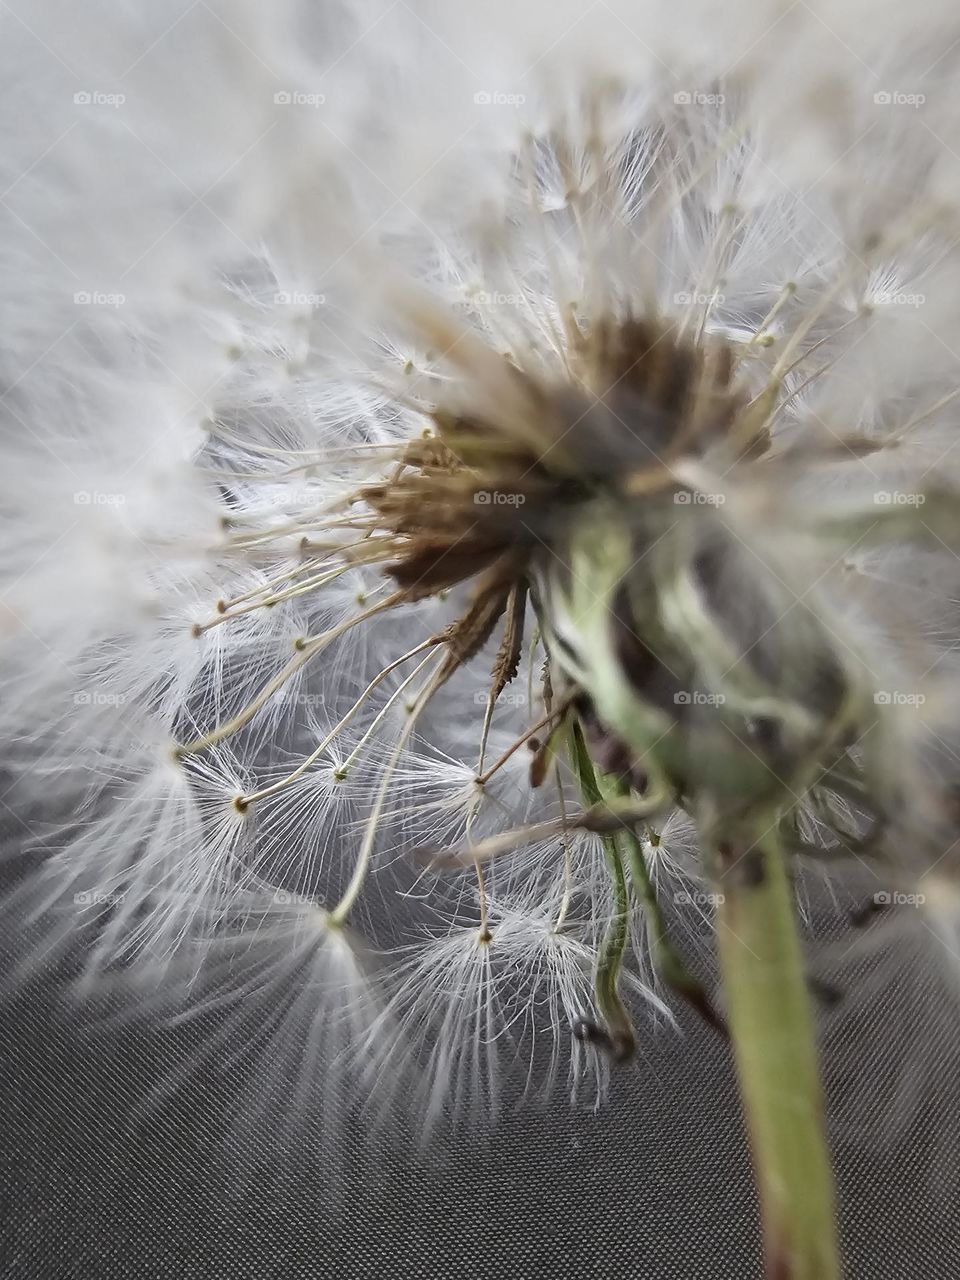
(523, 562)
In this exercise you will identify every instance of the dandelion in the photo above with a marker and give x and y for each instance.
(426, 613)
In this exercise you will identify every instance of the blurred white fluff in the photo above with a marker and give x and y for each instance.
(207, 216)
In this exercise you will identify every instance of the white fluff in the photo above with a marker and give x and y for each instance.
(218, 225)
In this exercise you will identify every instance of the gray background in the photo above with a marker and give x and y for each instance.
(656, 1185)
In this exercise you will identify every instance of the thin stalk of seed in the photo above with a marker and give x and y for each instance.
(600, 819)
(289, 779)
(306, 649)
(340, 913)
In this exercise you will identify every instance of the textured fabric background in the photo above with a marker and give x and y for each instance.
(656, 1186)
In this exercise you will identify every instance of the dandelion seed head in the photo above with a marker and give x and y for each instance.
(336, 497)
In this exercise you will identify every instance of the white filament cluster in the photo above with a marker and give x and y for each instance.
(216, 224)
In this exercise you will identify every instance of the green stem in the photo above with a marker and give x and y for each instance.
(771, 1025)
(619, 1027)
(667, 961)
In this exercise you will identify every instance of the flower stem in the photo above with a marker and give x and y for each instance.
(771, 1026)
(618, 1028)
(667, 961)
